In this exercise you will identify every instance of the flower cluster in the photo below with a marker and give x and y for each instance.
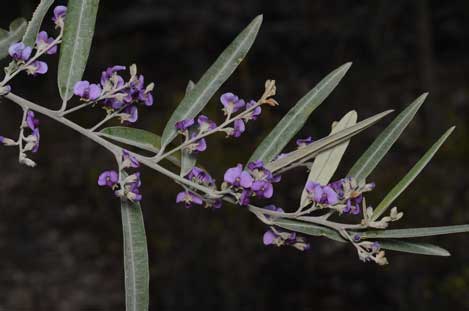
(345, 195)
(280, 237)
(232, 104)
(371, 251)
(124, 185)
(189, 198)
(117, 95)
(32, 140)
(191, 131)
(256, 181)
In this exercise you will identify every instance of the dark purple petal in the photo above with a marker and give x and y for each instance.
(184, 124)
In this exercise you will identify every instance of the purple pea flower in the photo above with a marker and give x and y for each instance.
(235, 176)
(321, 194)
(132, 187)
(197, 146)
(238, 128)
(184, 124)
(128, 160)
(146, 98)
(205, 124)
(231, 103)
(302, 142)
(37, 67)
(244, 198)
(263, 189)
(59, 15)
(280, 238)
(255, 113)
(87, 91)
(109, 72)
(188, 198)
(43, 41)
(108, 179)
(130, 114)
(19, 51)
(36, 135)
(31, 120)
(199, 176)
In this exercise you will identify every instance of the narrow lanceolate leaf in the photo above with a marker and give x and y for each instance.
(410, 176)
(380, 147)
(141, 139)
(294, 120)
(211, 81)
(326, 162)
(17, 29)
(414, 248)
(36, 21)
(76, 44)
(135, 257)
(414, 232)
(308, 228)
(188, 160)
(313, 149)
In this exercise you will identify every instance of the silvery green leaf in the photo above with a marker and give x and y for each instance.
(141, 139)
(326, 163)
(313, 149)
(380, 147)
(410, 176)
(76, 44)
(308, 228)
(211, 81)
(414, 232)
(36, 21)
(136, 269)
(17, 29)
(294, 120)
(188, 160)
(414, 248)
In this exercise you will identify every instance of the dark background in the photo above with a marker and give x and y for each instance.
(60, 236)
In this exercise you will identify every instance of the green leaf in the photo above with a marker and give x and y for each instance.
(136, 269)
(380, 147)
(211, 81)
(142, 139)
(76, 44)
(313, 149)
(410, 176)
(414, 232)
(326, 162)
(414, 248)
(294, 120)
(17, 29)
(188, 160)
(35, 24)
(308, 228)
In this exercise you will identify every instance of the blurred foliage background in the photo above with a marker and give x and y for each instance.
(60, 236)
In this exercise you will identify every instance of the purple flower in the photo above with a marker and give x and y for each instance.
(129, 160)
(197, 146)
(19, 51)
(184, 124)
(43, 41)
(244, 198)
(256, 112)
(31, 120)
(59, 15)
(108, 179)
(280, 238)
(258, 164)
(36, 135)
(302, 142)
(188, 198)
(199, 176)
(109, 72)
(321, 194)
(146, 98)
(87, 91)
(235, 176)
(205, 124)
(348, 190)
(263, 189)
(37, 67)
(231, 103)
(130, 114)
(238, 128)
(133, 183)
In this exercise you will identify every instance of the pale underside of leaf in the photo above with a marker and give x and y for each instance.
(211, 81)
(414, 248)
(410, 176)
(326, 163)
(313, 149)
(297, 116)
(35, 24)
(380, 147)
(76, 44)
